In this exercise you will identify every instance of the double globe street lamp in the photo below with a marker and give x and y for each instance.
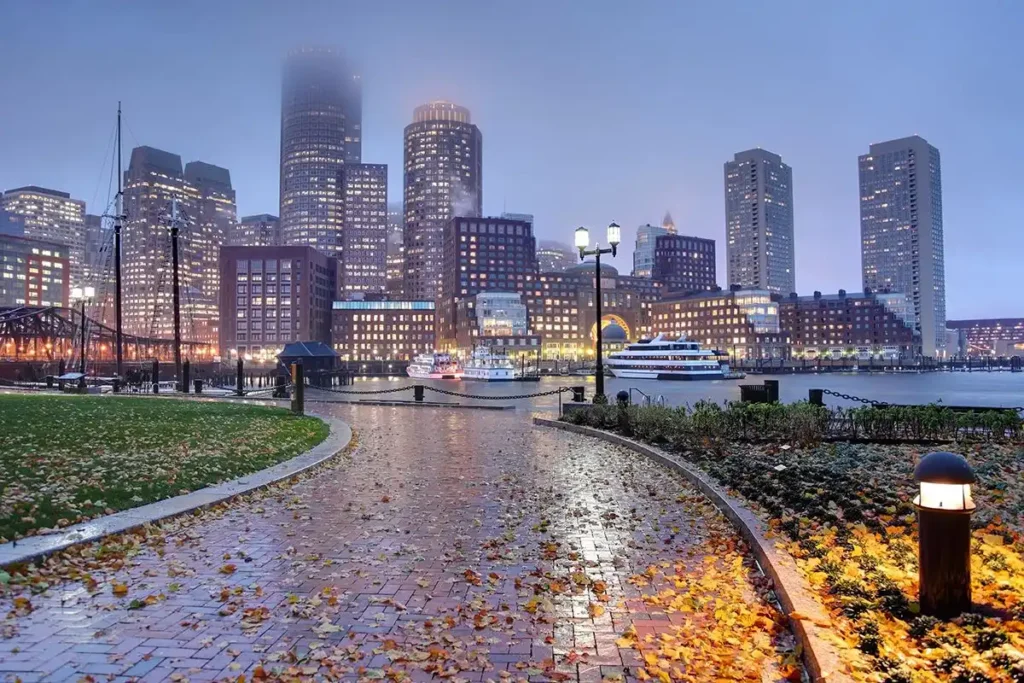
(83, 295)
(582, 242)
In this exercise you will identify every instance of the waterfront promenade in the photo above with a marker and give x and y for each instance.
(459, 544)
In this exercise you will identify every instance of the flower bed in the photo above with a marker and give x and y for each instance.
(65, 459)
(845, 512)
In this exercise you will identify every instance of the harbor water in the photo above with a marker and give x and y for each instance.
(992, 389)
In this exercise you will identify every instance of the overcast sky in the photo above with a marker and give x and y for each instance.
(591, 111)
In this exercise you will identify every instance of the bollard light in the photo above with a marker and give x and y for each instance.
(944, 508)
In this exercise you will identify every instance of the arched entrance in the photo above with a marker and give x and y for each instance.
(606, 320)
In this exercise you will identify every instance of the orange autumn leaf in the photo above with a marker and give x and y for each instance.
(119, 589)
(228, 569)
(595, 610)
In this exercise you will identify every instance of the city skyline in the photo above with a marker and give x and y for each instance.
(820, 134)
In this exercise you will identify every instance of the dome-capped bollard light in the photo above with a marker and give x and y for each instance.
(944, 508)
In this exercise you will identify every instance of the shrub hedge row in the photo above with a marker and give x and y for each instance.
(707, 424)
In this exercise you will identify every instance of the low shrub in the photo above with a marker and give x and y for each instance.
(710, 425)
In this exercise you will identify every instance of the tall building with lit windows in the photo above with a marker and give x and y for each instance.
(482, 254)
(759, 222)
(272, 296)
(443, 179)
(555, 257)
(395, 252)
(33, 272)
(321, 122)
(382, 330)
(158, 191)
(901, 231)
(643, 249)
(258, 230)
(52, 216)
(363, 256)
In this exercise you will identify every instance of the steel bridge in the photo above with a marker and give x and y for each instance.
(52, 333)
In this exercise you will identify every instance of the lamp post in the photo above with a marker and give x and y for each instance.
(582, 242)
(83, 295)
(944, 509)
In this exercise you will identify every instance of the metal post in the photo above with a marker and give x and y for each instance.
(185, 368)
(599, 379)
(240, 379)
(156, 376)
(81, 366)
(771, 387)
(815, 397)
(417, 393)
(297, 389)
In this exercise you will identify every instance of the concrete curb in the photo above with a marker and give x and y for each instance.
(821, 659)
(37, 547)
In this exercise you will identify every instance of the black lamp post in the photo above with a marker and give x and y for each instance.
(582, 242)
(83, 295)
(944, 509)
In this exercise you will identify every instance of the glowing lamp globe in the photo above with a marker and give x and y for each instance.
(582, 238)
(614, 234)
(945, 480)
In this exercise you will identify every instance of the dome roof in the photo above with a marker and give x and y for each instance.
(587, 268)
(613, 333)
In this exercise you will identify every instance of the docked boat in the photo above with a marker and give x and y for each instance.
(434, 366)
(662, 358)
(485, 366)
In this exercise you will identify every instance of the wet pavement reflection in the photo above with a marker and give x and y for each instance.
(458, 544)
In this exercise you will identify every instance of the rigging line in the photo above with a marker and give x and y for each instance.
(124, 120)
(103, 164)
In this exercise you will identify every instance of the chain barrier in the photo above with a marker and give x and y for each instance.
(499, 398)
(855, 399)
(442, 391)
(350, 391)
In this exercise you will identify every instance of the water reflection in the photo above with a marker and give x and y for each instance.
(1001, 389)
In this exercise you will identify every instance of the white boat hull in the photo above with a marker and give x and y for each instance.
(488, 374)
(420, 374)
(640, 373)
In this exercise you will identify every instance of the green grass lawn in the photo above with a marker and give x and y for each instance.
(64, 459)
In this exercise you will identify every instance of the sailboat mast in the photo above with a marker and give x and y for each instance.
(117, 242)
(176, 296)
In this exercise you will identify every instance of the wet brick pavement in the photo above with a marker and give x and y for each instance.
(458, 544)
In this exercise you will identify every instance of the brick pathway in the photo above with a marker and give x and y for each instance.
(462, 544)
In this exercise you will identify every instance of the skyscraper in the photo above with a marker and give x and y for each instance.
(901, 231)
(363, 266)
(51, 216)
(643, 249)
(759, 222)
(555, 257)
(395, 251)
(259, 230)
(216, 219)
(155, 186)
(321, 119)
(443, 179)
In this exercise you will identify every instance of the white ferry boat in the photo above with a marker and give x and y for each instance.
(434, 366)
(485, 366)
(662, 358)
